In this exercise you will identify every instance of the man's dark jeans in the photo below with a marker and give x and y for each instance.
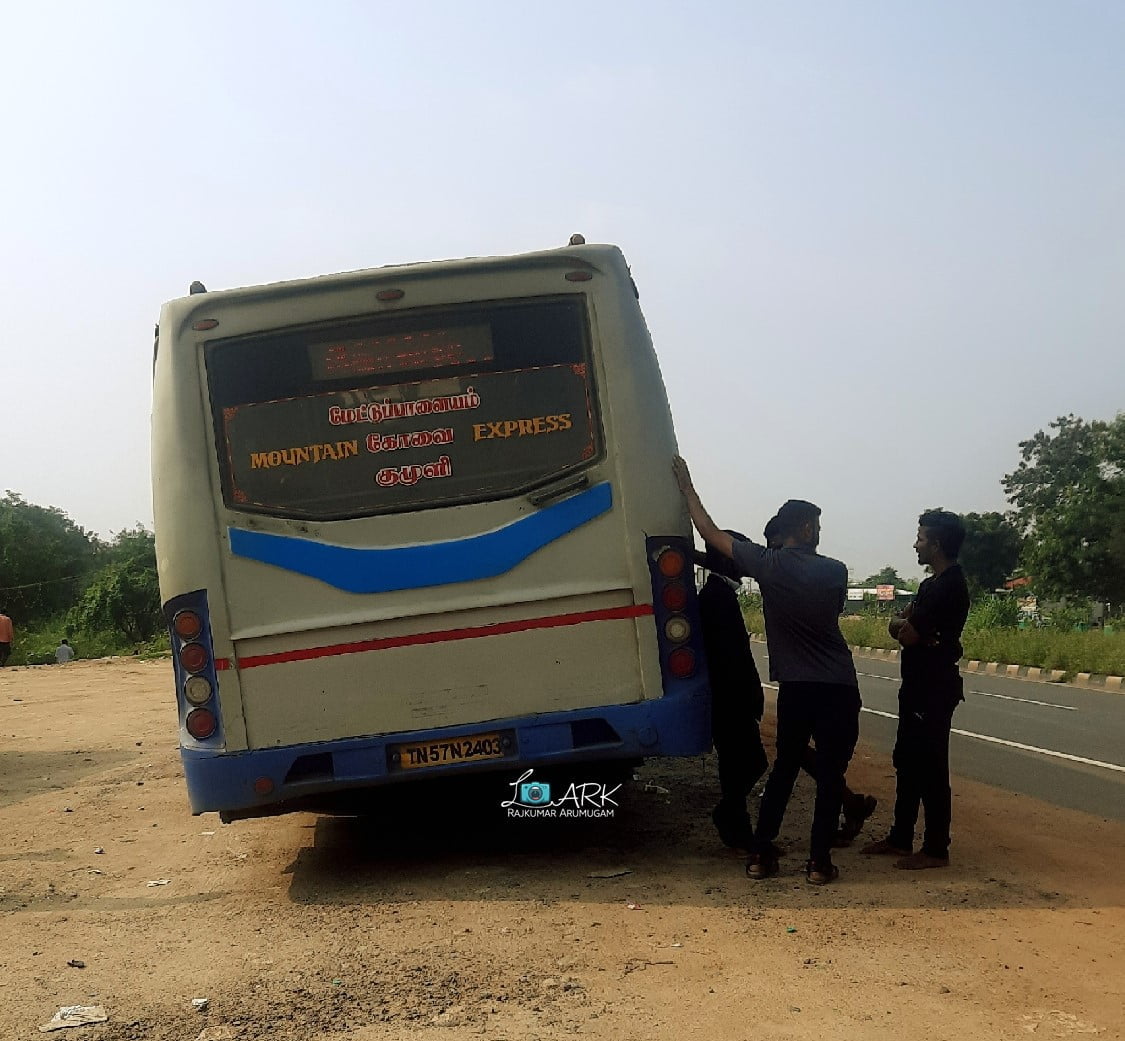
(921, 760)
(827, 713)
(742, 760)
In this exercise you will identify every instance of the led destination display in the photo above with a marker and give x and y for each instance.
(407, 351)
(411, 445)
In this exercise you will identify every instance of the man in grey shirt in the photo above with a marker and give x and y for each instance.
(803, 594)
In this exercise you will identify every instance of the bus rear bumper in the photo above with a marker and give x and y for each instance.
(263, 782)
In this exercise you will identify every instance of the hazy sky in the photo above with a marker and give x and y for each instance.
(878, 244)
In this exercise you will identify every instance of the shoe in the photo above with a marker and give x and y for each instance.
(737, 834)
(856, 817)
(761, 865)
(921, 860)
(821, 874)
(884, 848)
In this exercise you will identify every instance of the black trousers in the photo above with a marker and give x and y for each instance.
(828, 714)
(921, 760)
(742, 760)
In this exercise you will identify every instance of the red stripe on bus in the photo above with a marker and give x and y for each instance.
(445, 636)
(222, 663)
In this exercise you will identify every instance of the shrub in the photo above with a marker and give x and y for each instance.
(867, 630)
(993, 612)
(123, 598)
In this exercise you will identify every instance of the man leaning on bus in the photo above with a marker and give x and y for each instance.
(803, 594)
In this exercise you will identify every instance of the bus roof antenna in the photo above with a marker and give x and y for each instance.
(197, 287)
(577, 240)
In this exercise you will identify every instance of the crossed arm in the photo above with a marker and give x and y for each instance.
(901, 629)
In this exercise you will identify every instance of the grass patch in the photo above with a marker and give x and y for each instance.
(867, 630)
(35, 644)
(1094, 651)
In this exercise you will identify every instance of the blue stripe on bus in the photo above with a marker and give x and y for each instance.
(415, 567)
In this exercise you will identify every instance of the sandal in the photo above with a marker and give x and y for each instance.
(761, 865)
(857, 817)
(820, 874)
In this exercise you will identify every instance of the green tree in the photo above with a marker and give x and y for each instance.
(888, 576)
(131, 546)
(123, 596)
(1068, 494)
(990, 552)
(45, 558)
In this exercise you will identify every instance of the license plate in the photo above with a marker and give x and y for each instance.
(470, 749)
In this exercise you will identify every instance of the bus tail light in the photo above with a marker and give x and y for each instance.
(194, 665)
(671, 562)
(678, 631)
(197, 690)
(201, 723)
(674, 596)
(194, 657)
(681, 662)
(187, 624)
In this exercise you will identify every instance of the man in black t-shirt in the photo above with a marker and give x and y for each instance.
(930, 634)
(737, 700)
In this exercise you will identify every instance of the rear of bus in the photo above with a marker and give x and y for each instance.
(416, 522)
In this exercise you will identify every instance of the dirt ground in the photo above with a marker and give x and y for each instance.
(312, 928)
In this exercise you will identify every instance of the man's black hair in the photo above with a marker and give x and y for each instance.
(946, 529)
(769, 532)
(793, 516)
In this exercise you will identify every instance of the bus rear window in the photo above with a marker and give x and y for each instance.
(404, 412)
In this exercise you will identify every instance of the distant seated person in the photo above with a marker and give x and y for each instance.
(64, 652)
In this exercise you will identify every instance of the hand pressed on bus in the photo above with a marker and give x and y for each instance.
(708, 530)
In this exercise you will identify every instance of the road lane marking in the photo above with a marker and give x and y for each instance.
(1016, 744)
(983, 693)
(876, 712)
(1026, 701)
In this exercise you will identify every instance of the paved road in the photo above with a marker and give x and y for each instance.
(1055, 742)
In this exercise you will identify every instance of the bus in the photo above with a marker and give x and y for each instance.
(420, 521)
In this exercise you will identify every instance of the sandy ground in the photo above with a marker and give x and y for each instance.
(311, 928)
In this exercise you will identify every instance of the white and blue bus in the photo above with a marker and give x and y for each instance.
(420, 521)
